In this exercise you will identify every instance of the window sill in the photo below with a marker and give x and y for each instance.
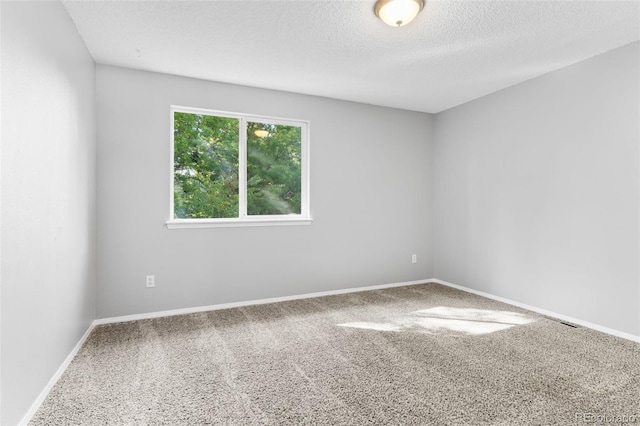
(235, 223)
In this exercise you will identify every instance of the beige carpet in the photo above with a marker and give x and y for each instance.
(426, 355)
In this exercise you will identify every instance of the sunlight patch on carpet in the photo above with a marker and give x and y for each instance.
(446, 319)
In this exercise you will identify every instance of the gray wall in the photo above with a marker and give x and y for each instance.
(537, 192)
(48, 197)
(370, 200)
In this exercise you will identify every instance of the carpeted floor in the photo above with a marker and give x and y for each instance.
(424, 355)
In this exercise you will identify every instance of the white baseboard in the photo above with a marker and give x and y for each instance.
(56, 376)
(545, 312)
(184, 311)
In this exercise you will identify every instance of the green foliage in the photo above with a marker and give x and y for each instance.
(205, 166)
(206, 162)
(273, 170)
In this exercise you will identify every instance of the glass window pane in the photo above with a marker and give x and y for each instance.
(205, 166)
(273, 169)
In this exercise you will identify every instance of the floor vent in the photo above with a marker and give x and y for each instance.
(568, 324)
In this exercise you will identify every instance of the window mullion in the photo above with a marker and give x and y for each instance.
(304, 170)
(242, 172)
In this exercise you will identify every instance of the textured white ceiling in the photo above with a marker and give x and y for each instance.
(453, 52)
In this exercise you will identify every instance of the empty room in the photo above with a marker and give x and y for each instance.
(319, 212)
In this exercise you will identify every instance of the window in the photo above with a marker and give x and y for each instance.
(234, 169)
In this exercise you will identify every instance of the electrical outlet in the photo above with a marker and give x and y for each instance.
(414, 258)
(151, 281)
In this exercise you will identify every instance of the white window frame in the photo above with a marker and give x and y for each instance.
(304, 218)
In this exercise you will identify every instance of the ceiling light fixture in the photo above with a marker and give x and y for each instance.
(398, 13)
(261, 133)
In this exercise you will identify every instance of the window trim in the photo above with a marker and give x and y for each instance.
(304, 218)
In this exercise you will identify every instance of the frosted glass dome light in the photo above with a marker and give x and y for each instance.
(398, 13)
